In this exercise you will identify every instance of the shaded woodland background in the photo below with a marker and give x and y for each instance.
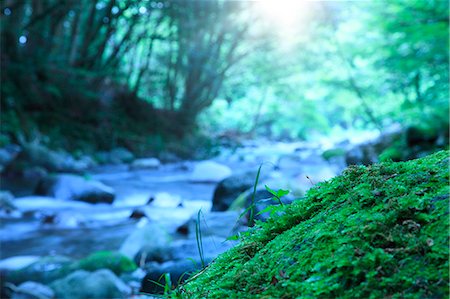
(176, 75)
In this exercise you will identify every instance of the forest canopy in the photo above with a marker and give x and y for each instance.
(135, 73)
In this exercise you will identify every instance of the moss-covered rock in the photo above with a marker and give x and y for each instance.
(374, 232)
(333, 153)
(394, 153)
(114, 261)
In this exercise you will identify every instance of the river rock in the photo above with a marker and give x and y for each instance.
(209, 172)
(72, 187)
(8, 154)
(35, 173)
(6, 202)
(18, 262)
(211, 245)
(150, 236)
(44, 270)
(48, 218)
(62, 220)
(81, 284)
(151, 253)
(120, 155)
(230, 188)
(290, 161)
(168, 157)
(134, 279)
(36, 155)
(187, 249)
(116, 156)
(86, 162)
(147, 163)
(138, 213)
(32, 290)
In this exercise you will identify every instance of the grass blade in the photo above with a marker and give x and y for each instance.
(198, 236)
(251, 220)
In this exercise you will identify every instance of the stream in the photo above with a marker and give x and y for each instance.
(168, 196)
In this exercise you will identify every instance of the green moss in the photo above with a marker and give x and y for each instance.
(331, 153)
(373, 232)
(111, 260)
(393, 153)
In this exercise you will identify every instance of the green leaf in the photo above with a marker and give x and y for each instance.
(277, 194)
(282, 192)
(273, 192)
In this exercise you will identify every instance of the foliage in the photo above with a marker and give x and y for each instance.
(274, 209)
(97, 74)
(373, 232)
(89, 64)
(355, 65)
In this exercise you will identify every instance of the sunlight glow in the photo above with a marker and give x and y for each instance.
(284, 14)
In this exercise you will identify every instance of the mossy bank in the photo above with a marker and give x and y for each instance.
(373, 232)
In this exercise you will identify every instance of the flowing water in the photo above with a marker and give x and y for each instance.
(84, 228)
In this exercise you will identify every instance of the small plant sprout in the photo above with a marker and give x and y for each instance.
(277, 195)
